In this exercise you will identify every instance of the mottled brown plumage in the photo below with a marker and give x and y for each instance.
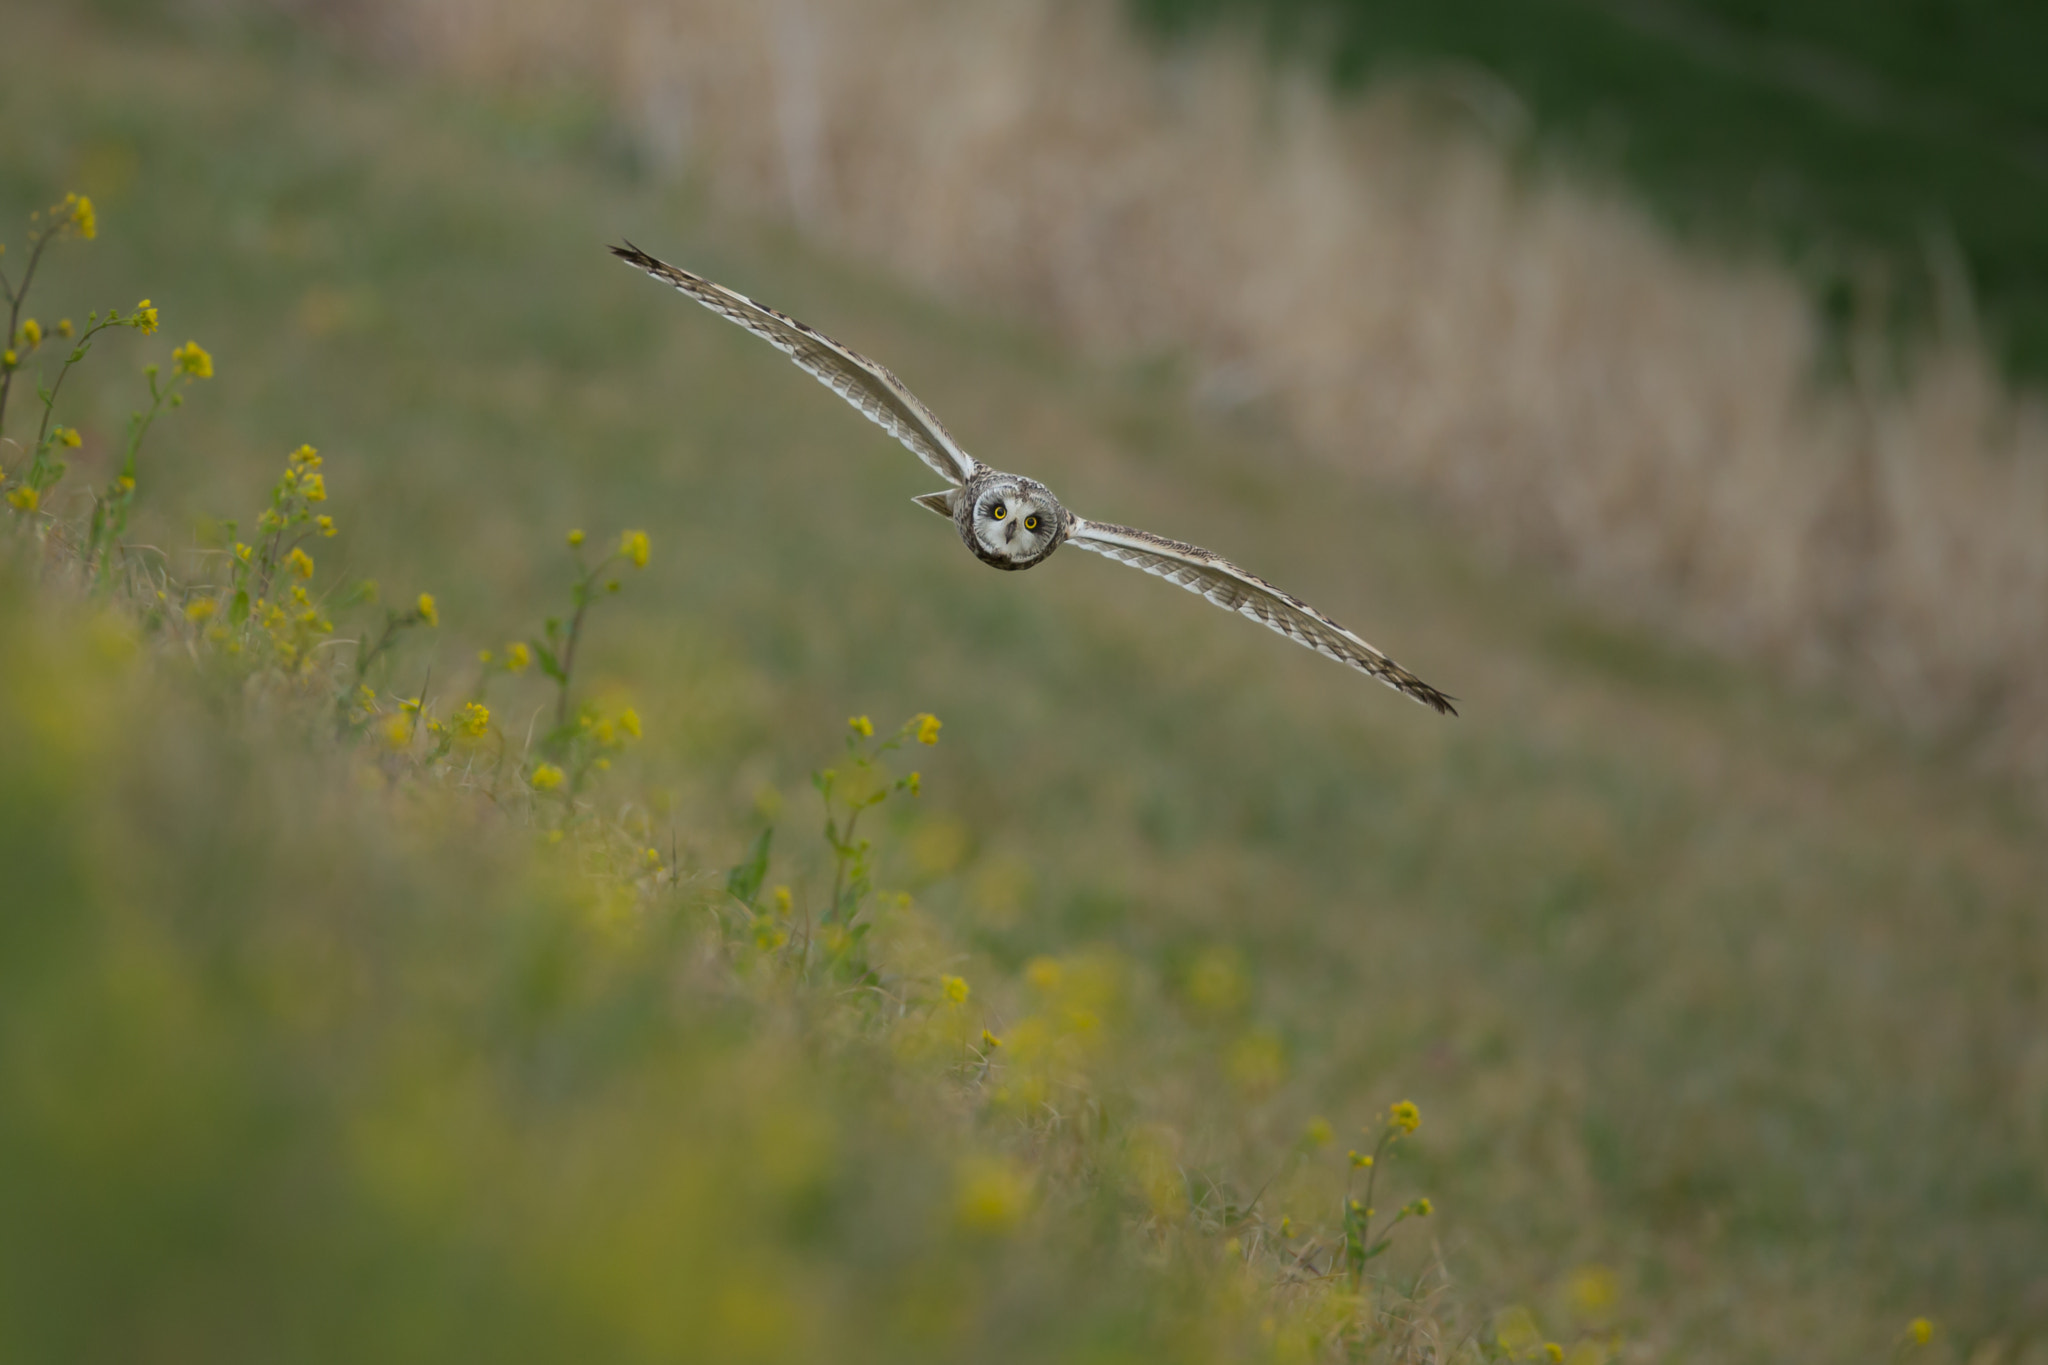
(1011, 522)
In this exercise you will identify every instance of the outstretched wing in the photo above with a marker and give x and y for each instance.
(1223, 583)
(879, 394)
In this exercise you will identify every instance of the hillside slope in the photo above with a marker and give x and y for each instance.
(1708, 984)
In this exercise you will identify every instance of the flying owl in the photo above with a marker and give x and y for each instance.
(1011, 522)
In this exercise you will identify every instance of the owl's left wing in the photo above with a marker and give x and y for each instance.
(879, 395)
(1223, 583)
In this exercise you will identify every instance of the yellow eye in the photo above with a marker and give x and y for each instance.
(1000, 512)
(1031, 523)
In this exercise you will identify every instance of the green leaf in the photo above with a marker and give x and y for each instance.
(743, 883)
(238, 610)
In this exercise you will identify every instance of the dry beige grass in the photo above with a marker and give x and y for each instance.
(1531, 350)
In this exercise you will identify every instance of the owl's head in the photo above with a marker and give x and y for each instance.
(1013, 522)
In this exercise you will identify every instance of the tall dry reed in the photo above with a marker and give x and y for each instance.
(1532, 350)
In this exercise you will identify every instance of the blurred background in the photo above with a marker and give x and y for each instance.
(1659, 377)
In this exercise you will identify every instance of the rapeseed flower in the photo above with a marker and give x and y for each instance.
(991, 1196)
(1405, 1116)
(314, 487)
(144, 318)
(193, 359)
(633, 545)
(956, 989)
(914, 784)
(81, 216)
(326, 525)
(1318, 1133)
(299, 562)
(1553, 1352)
(575, 538)
(398, 731)
(547, 777)
(64, 327)
(629, 721)
(474, 721)
(990, 1041)
(429, 613)
(1359, 1160)
(1422, 1208)
(8, 359)
(1921, 1330)
(928, 728)
(32, 334)
(307, 456)
(69, 436)
(200, 609)
(24, 499)
(861, 726)
(517, 656)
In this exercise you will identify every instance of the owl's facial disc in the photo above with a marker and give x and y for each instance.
(1015, 524)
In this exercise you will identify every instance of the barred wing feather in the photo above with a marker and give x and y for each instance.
(879, 395)
(1233, 588)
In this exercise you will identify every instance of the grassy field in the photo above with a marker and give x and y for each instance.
(1856, 135)
(1707, 984)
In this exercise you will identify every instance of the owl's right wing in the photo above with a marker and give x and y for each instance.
(1228, 586)
(878, 394)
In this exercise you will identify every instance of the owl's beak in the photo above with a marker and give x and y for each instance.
(1010, 532)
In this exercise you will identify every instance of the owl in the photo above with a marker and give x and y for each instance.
(1011, 522)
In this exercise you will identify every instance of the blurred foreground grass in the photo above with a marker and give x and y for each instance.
(1697, 982)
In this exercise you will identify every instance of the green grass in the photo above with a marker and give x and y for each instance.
(1853, 135)
(1693, 978)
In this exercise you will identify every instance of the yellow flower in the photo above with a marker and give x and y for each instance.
(299, 562)
(575, 539)
(928, 728)
(242, 552)
(1318, 1133)
(1044, 974)
(1422, 1208)
(193, 360)
(314, 487)
(1360, 1160)
(1592, 1290)
(861, 726)
(633, 545)
(307, 456)
(32, 333)
(398, 731)
(200, 609)
(8, 359)
(1553, 1352)
(25, 499)
(546, 777)
(914, 783)
(517, 656)
(654, 857)
(82, 216)
(64, 327)
(474, 720)
(1405, 1116)
(145, 317)
(1921, 1330)
(956, 989)
(990, 1041)
(782, 900)
(629, 721)
(326, 525)
(1286, 1227)
(70, 437)
(991, 1196)
(427, 610)
(126, 483)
